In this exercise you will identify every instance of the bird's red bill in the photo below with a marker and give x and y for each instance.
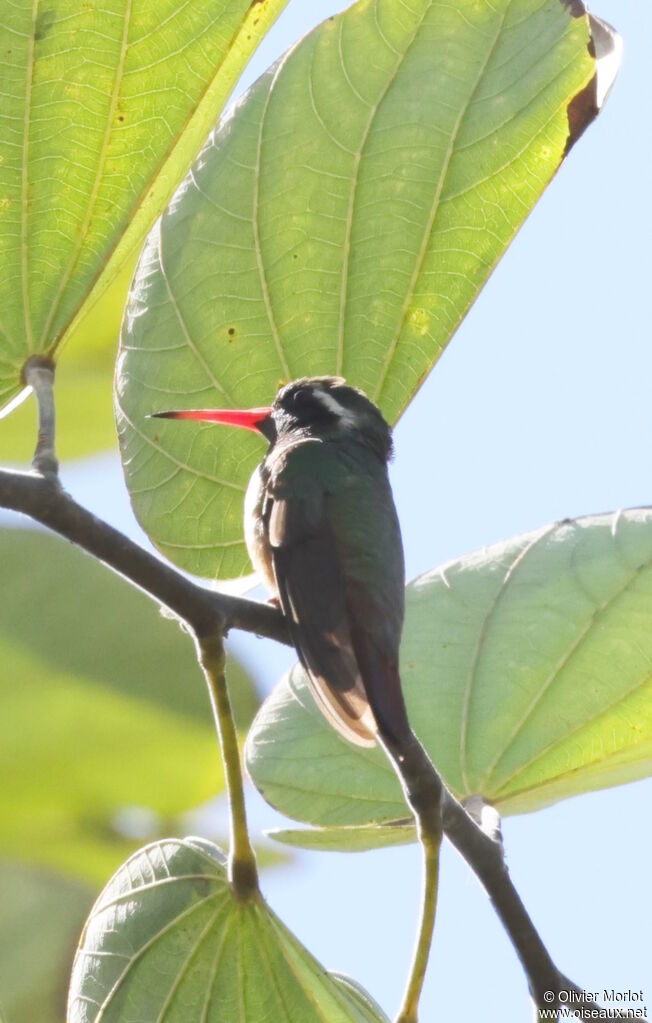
(250, 418)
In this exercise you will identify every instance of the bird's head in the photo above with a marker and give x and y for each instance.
(327, 407)
(323, 407)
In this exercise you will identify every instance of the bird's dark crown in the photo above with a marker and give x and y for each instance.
(329, 407)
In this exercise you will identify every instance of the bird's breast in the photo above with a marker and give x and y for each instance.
(255, 533)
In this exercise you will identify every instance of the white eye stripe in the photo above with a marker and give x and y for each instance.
(329, 402)
(332, 405)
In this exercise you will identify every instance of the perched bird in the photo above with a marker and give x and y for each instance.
(321, 530)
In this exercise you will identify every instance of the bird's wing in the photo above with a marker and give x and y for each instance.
(344, 607)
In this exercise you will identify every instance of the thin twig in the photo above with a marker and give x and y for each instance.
(243, 872)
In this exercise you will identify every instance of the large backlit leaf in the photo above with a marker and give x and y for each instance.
(527, 670)
(342, 219)
(41, 915)
(103, 107)
(167, 938)
(102, 708)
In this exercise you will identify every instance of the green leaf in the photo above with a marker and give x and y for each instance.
(305, 769)
(527, 670)
(102, 708)
(83, 387)
(370, 1011)
(168, 937)
(102, 110)
(359, 838)
(41, 915)
(342, 219)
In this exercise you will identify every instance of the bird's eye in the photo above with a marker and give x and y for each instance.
(299, 397)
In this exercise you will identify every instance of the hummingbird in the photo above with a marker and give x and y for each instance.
(322, 532)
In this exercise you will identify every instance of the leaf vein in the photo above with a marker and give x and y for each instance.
(97, 182)
(264, 285)
(357, 160)
(555, 673)
(24, 182)
(498, 597)
(434, 209)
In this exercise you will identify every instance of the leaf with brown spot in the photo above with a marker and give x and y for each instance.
(337, 245)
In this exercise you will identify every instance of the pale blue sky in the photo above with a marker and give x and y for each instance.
(541, 409)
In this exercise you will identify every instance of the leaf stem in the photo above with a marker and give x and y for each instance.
(39, 375)
(423, 790)
(243, 872)
(409, 1009)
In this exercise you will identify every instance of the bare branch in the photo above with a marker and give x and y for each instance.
(206, 611)
(486, 858)
(480, 844)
